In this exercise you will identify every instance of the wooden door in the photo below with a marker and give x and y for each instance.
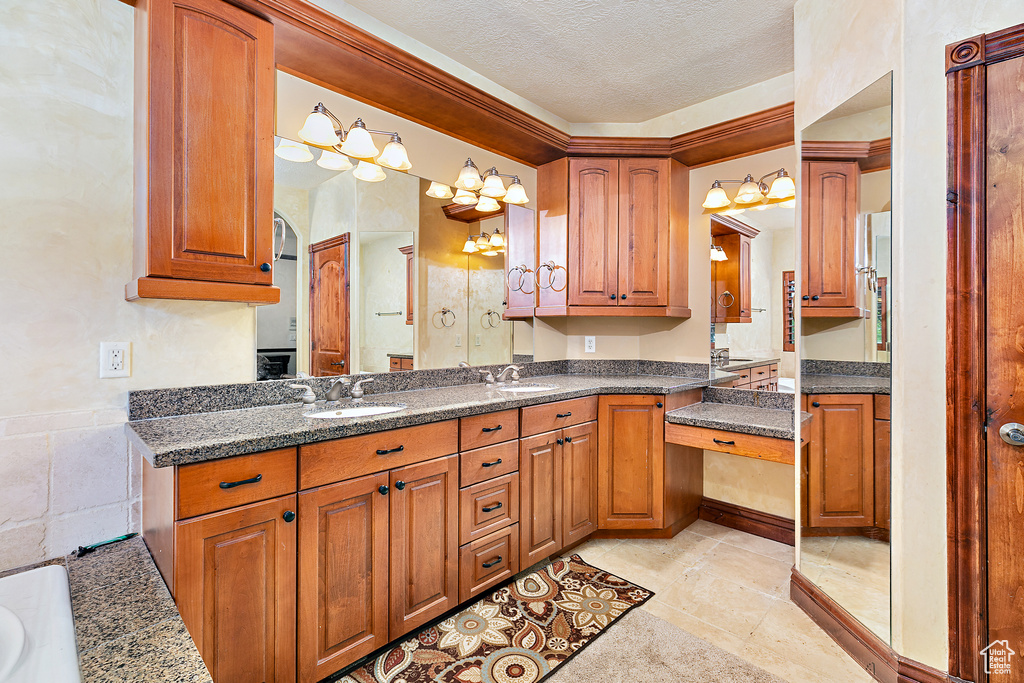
(830, 206)
(521, 235)
(840, 484)
(732, 280)
(593, 232)
(329, 307)
(643, 232)
(579, 482)
(424, 542)
(540, 497)
(410, 282)
(235, 589)
(342, 575)
(631, 462)
(210, 133)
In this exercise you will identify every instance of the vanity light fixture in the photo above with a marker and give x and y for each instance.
(323, 129)
(718, 254)
(487, 204)
(439, 191)
(465, 198)
(493, 185)
(293, 151)
(490, 188)
(469, 177)
(333, 161)
(751, 191)
(370, 172)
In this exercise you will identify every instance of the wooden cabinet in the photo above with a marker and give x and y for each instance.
(631, 462)
(204, 157)
(579, 482)
(731, 277)
(540, 497)
(398, 364)
(831, 285)
(883, 457)
(616, 229)
(235, 588)
(521, 250)
(840, 466)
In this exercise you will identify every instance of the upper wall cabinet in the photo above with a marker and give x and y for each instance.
(612, 238)
(204, 153)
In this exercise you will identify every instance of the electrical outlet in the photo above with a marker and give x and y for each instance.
(458, 339)
(115, 359)
(590, 344)
(477, 340)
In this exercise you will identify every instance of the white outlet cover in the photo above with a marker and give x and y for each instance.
(115, 359)
(477, 340)
(458, 339)
(590, 344)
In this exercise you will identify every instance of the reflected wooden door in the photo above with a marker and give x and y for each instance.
(329, 307)
(831, 196)
(840, 486)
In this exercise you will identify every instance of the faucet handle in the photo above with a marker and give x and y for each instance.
(488, 375)
(360, 382)
(308, 396)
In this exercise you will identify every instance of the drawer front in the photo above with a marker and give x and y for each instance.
(355, 456)
(407, 363)
(741, 384)
(773, 369)
(221, 484)
(544, 418)
(742, 377)
(488, 506)
(882, 406)
(396, 363)
(748, 445)
(487, 463)
(488, 561)
(491, 428)
(761, 374)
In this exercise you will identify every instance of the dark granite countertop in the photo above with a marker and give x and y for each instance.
(843, 384)
(406, 356)
(198, 437)
(745, 364)
(741, 419)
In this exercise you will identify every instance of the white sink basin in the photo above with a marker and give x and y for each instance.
(356, 411)
(526, 388)
(12, 642)
(35, 609)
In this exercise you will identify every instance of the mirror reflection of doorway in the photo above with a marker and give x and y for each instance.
(276, 331)
(329, 307)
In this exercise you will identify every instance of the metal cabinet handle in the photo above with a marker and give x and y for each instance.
(569, 414)
(400, 485)
(815, 404)
(660, 404)
(288, 516)
(492, 508)
(491, 429)
(488, 565)
(568, 439)
(815, 297)
(724, 443)
(559, 441)
(385, 451)
(383, 489)
(491, 464)
(233, 484)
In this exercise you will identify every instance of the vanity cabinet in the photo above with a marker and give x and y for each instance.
(841, 461)
(883, 430)
(204, 171)
(614, 231)
(631, 462)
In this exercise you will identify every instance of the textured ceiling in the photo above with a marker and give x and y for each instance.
(604, 60)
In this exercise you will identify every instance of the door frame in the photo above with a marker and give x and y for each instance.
(340, 240)
(966, 383)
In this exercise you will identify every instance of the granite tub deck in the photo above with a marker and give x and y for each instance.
(198, 437)
(759, 413)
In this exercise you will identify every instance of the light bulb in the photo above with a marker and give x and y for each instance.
(358, 142)
(371, 173)
(493, 186)
(716, 198)
(470, 246)
(439, 190)
(783, 187)
(516, 193)
(749, 192)
(333, 161)
(394, 155)
(718, 254)
(465, 198)
(483, 242)
(469, 177)
(319, 129)
(293, 151)
(487, 205)
(496, 240)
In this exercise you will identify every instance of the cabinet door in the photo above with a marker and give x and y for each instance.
(732, 280)
(579, 482)
(540, 497)
(840, 477)
(343, 574)
(235, 589)
(593, 232)
(424, 542)
(521, 249)
(410, 282)
(643, 232)
(831, 197)
(882, 473)
(631, 462)
(210, 133)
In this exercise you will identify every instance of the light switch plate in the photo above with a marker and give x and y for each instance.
(115, 359)
(458, 339)
(590, 344)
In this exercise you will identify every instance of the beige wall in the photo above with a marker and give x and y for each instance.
(758, 484)
(382, 290)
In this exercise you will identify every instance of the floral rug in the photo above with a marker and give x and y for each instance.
(519, 633)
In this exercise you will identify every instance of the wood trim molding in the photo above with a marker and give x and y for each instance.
(147, 287)
(870, 155)
(724, 225)
(866, 648)
(587, 146)
(467, 213)
(761, 131)
(330, 242)
(763, 524)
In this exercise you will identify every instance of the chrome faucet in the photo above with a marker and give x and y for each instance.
(503, 375)
(337, 388)
(308, 396)
(357, 388)
(488, 377)
(463, 364)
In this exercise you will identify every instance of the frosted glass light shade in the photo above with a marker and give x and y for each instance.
(465, 198)
(483, 242)
(469, 177)
(718, 254)
(749, 192)
(496, 240)
(516, 194)
(371, 173)
(491, 252)
(439, 191)
(293, 151)
(395, 155)
(782, 187)
(319, 130)
(333, 161)
(358, 142)
(487, 205)
(716, 198)
(470, 246)
(493, 186)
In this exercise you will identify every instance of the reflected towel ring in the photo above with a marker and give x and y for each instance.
(552, 267)
(732, 299)
(523, 271)
(487, 319)
(444, 312)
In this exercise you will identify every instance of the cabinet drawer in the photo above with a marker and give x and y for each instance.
(330, 461)
(407, 363)
(762, 373)
(748, 445)
(742, 377)
(488, 561)
(544, 418)
(773, 369)
(882, 404)
(484, 430)
(222, 484)
(487, 463)
(741, 383)
(488, 506)
(396, 364)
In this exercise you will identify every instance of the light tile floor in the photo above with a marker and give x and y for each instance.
(732, 589)
(854, 571)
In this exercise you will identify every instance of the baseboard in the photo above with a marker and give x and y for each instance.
(667, 532)
(874, 532)
(866, 648)
(752, 521)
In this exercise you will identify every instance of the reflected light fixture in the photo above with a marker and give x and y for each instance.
(487, 205)
(752, 192)
(490, 186)
(465, 198)
(293, 151)
(493, 186)
(333, 161)
(370, 172)
(783, 186)
(439, 190)
(497, 240)
(718, 254)
(470, 246)
(323, 129)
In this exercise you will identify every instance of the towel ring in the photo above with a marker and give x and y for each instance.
(444, 312)
(552, 267)
(523, 271)
(732, 299)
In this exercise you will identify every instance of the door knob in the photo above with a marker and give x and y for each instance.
(1012, 433)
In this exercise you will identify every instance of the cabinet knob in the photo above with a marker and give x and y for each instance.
(400, 485)
(383, 489)
(660, 404)
(559, 441)
(288, 516)
(568, 439)
(815, 297)
(613, 297)
(623, 296)
(806, 298)
(815, 404)
(265, 267)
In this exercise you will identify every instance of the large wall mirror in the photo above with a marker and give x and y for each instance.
(846, 316)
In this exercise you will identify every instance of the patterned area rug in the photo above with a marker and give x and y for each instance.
(517, 634)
